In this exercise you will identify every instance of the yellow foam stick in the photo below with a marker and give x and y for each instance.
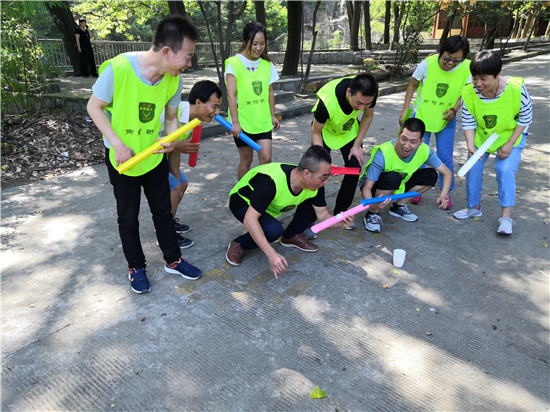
(157, 146)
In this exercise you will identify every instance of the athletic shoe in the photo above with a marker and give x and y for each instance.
(505, 225)
(180, 227)
(299, 241)
(183, 268)
(449, 203)
(310, 234)
(403, 212)
(353, 226)
(235, 252)
(416, 200)
(138, 281)
(468, 213)
(372, 222)
(184, 243)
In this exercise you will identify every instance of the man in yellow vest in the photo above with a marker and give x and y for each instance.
(335, 126)
(438, 81)
(127, 100)
(395, 167)
(269, 190)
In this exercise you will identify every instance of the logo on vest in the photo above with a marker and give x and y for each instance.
(348, 124)
(441, 89)
(257, 86)
(146, 112)
(490, 120)
(403, 175)
(287, 208)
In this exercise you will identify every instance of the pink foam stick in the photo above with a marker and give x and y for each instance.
(345, 170)
(195, 138)
(338, 218)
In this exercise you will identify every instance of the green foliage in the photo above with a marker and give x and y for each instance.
(24, 68)
(337, 39)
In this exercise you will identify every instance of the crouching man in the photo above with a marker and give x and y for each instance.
(269, 190)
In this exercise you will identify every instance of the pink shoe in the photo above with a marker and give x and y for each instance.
(416, 200)
(449, 203)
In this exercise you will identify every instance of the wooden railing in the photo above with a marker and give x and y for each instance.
(54, 51)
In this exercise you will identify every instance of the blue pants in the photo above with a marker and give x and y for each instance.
(272, 227)
(445, 143)
(506, 177)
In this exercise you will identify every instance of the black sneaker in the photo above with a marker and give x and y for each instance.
(180, 227)
(184, 243)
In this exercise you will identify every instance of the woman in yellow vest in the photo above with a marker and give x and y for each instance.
(438, 81)
(249, 76)
(494, 104)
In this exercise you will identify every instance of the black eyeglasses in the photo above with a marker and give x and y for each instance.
(323, 179)
(450, 59)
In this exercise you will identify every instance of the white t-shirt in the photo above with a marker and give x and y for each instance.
(252, 65)
(422, 71)
(185, 108)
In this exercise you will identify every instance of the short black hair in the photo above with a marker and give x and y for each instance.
(414, 124)
(364, 83)
(203, 90)
(486, 62)
(452, 44)
(313, 157)
(81, 19)
(171, 31)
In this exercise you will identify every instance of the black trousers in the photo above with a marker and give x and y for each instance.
(392, 180)
(127, 191)
(349, 182)
(87, 62)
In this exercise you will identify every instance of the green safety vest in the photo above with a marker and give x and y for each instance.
(136, 109)
(498, 116)
(439, 92)
(284, 199)
(253, 95)
(393, 163)
(340, 128)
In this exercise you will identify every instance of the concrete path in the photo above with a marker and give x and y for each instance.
(462, 326)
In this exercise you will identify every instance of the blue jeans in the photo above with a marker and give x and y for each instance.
(272, 228)
(445, 143)
(506, 177)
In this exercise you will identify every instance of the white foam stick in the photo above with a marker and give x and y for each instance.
(477, 155)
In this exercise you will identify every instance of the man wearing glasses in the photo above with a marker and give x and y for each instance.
(438, 81)
(269, 190)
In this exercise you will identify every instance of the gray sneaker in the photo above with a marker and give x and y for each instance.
(403, 212)
(372, 222)
(468, 213)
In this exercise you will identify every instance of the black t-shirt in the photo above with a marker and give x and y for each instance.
(321, 113)
(84, 37)
(263, 192)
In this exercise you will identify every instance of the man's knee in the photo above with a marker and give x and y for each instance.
(389, 181)
(273, 231)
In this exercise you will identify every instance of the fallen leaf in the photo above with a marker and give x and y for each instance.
(544, 244)
(418, 309)
(32, 305)
(477, 218)
(386, 286)
(318, 393)
(396, 271)
(429, 333)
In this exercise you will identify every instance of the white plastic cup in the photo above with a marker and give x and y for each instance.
(399, 257)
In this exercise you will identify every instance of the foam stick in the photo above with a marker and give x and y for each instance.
(407, 115)
(392, 197)
(477, 155)
(243, 137)
(157, 146)
(345, 170)
(338, 218)
(195, 138)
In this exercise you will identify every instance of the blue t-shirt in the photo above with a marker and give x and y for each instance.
(379, 163)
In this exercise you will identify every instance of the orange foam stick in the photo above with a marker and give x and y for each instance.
(157, 146)
(195, 138)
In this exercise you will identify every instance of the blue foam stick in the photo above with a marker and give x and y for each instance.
(243, 137)
(380, 199)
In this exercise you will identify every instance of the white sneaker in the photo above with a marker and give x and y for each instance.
(505, 225)
(372, 222)
(468, 213)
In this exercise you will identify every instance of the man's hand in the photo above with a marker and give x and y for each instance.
(449, 115)
(357, 152)
(275, 121)
(167, 147)
(278, 264)
(442, 202)
(187, 147)
(505, 150)
(236, 129)
(122, 153)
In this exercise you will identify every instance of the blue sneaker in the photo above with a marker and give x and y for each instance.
(183, 268)
(138, 281)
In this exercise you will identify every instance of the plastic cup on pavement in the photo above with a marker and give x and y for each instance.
(399, 257)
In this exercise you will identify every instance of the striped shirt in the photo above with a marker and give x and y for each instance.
(525, 117)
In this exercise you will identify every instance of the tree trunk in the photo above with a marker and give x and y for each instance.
(65, 22)
(448, 25)
(547, 32)
(535, 24)
(513, 34)
(355, 21)
(295, 10)
(491, 34)
(387, 20)
(366, 16)
(520, 28)
(260, 11)
(312, 49)
(396, 22)
(528, 25)
(177, 7)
